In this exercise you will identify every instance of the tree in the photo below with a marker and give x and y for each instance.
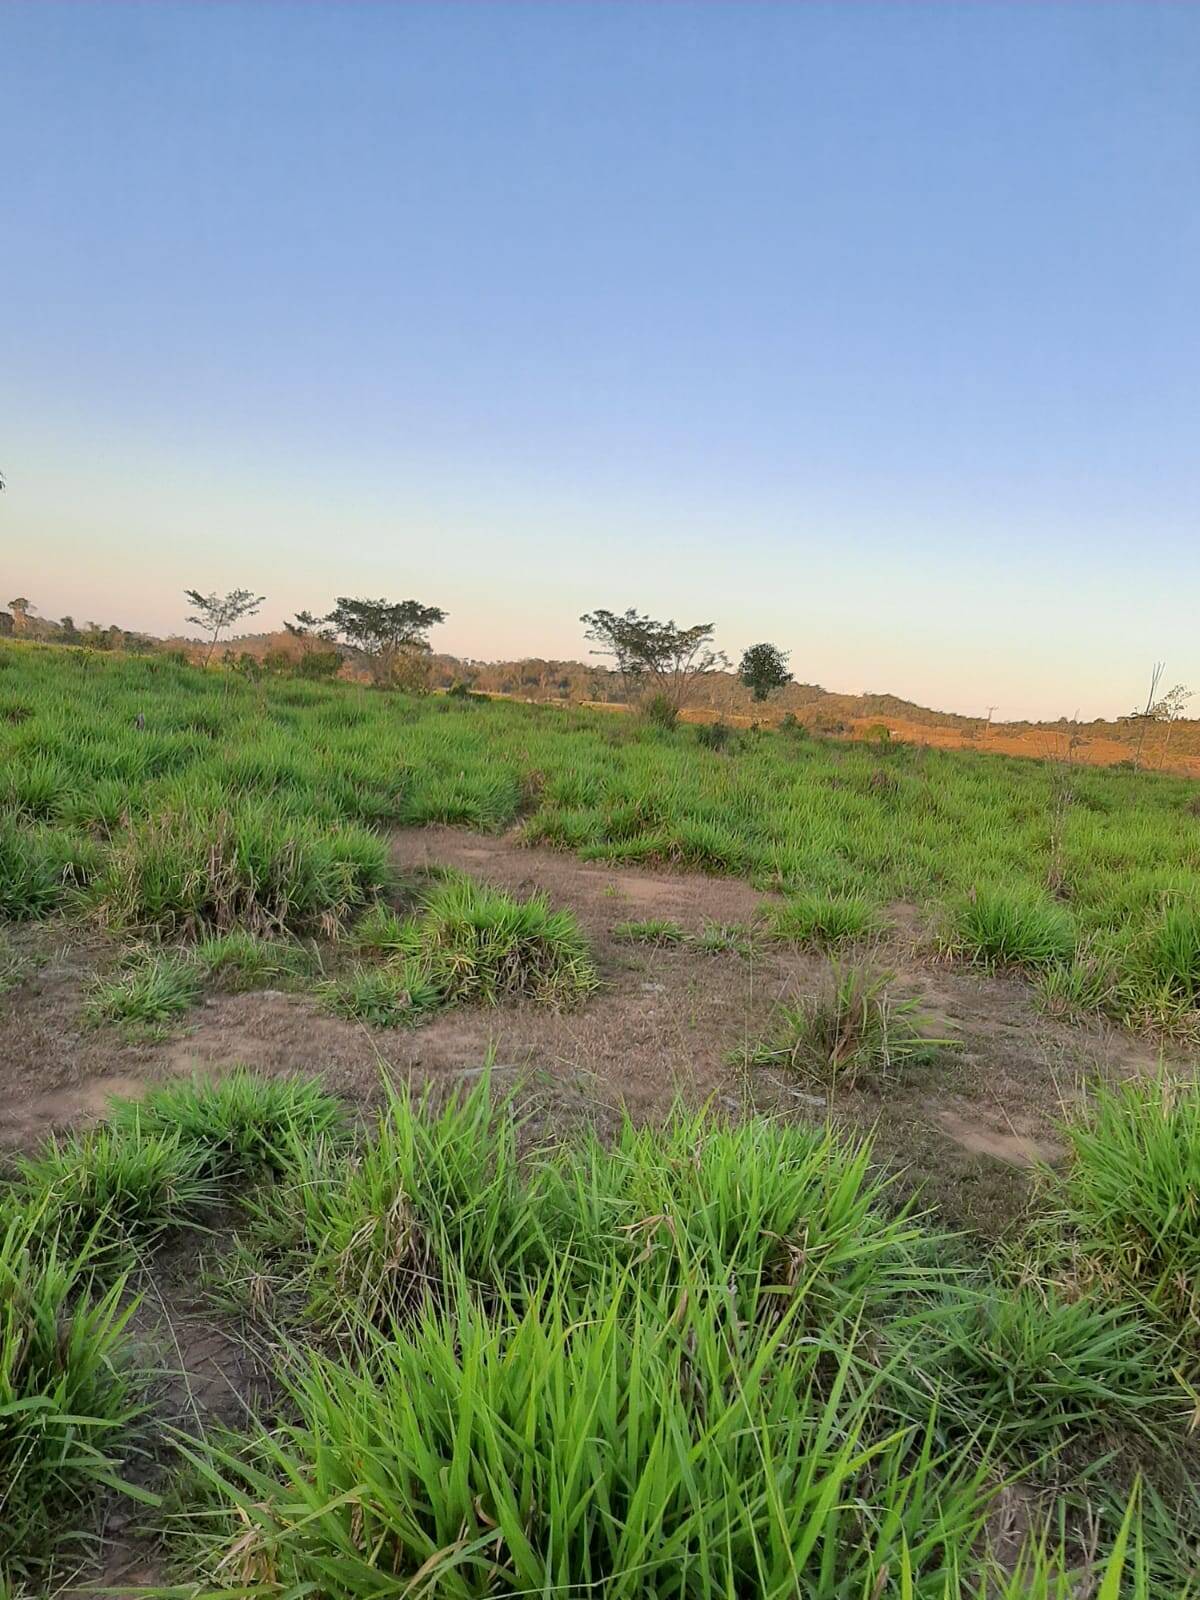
(310, 630)
(390, 634)
(215, 613)
(763, 668)
(658, 657)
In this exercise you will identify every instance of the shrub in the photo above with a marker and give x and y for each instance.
(855, 1029)
(66, 1393)
(659, 711)
(241, 1123)
(996, 926)
(824, 921)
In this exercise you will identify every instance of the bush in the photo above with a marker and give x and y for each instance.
(853, 1030)
(659, 711)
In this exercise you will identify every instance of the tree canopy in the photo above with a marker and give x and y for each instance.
(659, 656)
(215, 613)
(763, 668)
(383, 630)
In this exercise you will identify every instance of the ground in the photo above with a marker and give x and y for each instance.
(965, 1134)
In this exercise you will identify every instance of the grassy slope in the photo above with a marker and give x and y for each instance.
(293, 777)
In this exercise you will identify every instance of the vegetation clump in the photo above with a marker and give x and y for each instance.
(857, 1028)
(68, 1395)
(824, 921)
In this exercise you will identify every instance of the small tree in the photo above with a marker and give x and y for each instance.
(763, 668)
(215, 613)
(392, 635)
(312, 632)
(656, 656)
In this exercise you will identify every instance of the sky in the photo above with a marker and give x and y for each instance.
(868, 329)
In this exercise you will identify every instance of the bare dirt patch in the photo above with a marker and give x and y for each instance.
(662, 1027)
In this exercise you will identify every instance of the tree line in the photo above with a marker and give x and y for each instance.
(658, 662)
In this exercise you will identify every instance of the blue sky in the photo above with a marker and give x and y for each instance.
(868, 329)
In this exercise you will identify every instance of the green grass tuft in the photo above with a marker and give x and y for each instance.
(857, 1028)
(825, 922)
(119, 1186)
(1125, 1203)
(650, 930)
(996, 926)
(67, 1404)
(241, 1123)
(482, 946)
(150, 991)
(250, 870)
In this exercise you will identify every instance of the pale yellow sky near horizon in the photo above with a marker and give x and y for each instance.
(102, 531)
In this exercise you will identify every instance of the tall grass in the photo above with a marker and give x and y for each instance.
(250, 870)
(67, 1398)
(1127, 1201)
(637, 1448)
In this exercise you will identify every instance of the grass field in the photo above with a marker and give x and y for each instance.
(711, 1356)
(257, 808)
